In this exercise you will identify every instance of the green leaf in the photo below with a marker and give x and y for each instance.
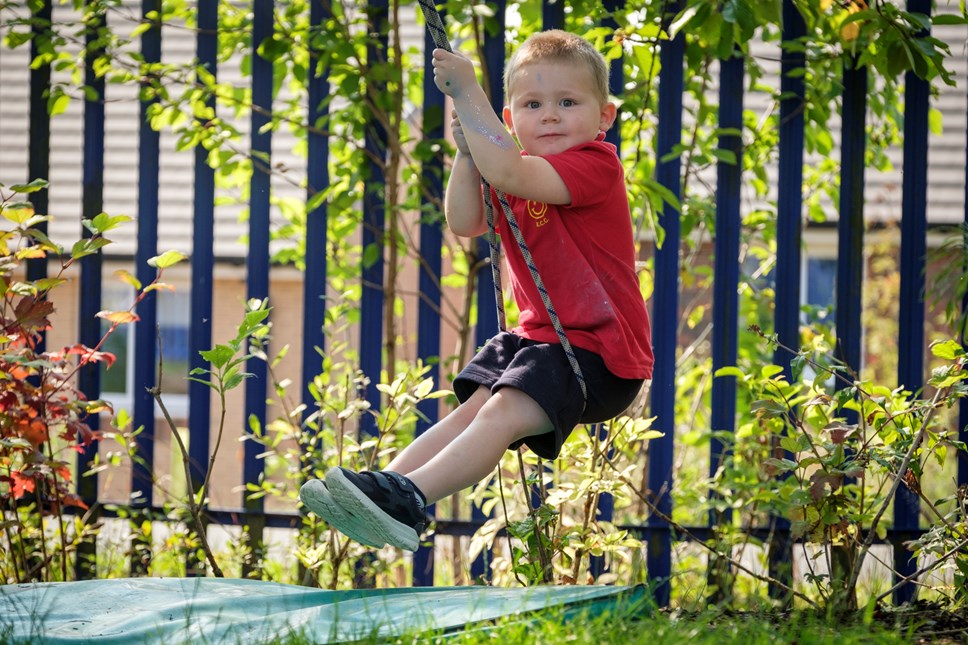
(724, 155)
(88, 246)
(681, 20)
(897, 58)
(948, 350)
(57, 103)
(140, 29)
(17, 38)
(768, 408)
(793, 443)
(235, 380)
(769, 371)
(949, 19)
(125, 276)
(667, 195)
(273, 48)
(102, 223)
(219, 356)
(371, 254)
(782, 465)
(46, 284)
(167, 259)
(730, 371)
(32, 187)
(935, 119)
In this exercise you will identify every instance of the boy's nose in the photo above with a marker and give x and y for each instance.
(549, 115)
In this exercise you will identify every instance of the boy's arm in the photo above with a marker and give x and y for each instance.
(463, 205)
(494, 151)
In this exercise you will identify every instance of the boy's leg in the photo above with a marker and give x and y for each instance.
(431, 442)
(390, 506)
(364, 498)
(470, 456)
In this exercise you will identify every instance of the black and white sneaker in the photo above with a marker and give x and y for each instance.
(384, 504)
(317, 498)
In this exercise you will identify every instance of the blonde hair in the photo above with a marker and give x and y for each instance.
(559, 46)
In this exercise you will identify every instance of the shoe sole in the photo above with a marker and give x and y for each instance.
(364, 513)
(317, 498)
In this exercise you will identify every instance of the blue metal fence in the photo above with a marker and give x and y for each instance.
(789, 218)
(665, 299)
(665, 310)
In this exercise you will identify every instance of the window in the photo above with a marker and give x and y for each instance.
(820, 290)
(173, 349)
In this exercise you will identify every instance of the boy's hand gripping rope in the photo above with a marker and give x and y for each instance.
(438, 33)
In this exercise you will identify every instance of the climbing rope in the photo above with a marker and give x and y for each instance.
(438, 33)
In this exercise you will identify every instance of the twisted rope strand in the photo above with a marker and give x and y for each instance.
(438, 33)
(495, 256)
(545, 298)
(434, 24)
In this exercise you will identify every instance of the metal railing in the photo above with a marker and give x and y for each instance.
(664, 302)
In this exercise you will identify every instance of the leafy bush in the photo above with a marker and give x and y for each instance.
(43, 414)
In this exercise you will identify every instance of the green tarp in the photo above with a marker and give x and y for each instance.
(211, 610)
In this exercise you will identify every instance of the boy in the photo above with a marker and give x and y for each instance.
(567, 190)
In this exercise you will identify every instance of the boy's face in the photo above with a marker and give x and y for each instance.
(553, 106)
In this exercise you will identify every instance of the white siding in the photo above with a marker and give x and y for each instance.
(946, 153)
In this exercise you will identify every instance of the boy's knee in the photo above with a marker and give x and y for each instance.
(514, 415)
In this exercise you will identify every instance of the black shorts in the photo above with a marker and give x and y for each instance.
(542, 371)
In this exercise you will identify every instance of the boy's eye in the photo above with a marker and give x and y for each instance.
(534, 105)
(567, 102)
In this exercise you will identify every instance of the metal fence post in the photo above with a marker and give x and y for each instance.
(850, 226)
(616, 87)
(257, 266)
(665, 314)
(725, 332)
(89, 326)
(317, 171)
(910, 368)
(38, 146)
(788, 239)
(428, 306)
(202, 269)
(374, 220)
(145, 332)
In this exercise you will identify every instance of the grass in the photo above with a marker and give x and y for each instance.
(661, 628)
(665, 629)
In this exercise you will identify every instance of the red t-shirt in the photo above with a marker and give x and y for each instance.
(585, 256)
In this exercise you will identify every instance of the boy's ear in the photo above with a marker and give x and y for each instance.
(607, 116)
(507, 118)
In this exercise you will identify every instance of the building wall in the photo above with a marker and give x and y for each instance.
(945, 204)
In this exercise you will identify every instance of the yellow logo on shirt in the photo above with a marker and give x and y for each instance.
(538, 211)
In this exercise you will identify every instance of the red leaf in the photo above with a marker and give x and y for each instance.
(18, 373)
(33, 431)
(118, 317)
(84, 434)
(32, 312)
(73, 500)
(7, 400)
(78, 349)
(21, 484)
(90, 355)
